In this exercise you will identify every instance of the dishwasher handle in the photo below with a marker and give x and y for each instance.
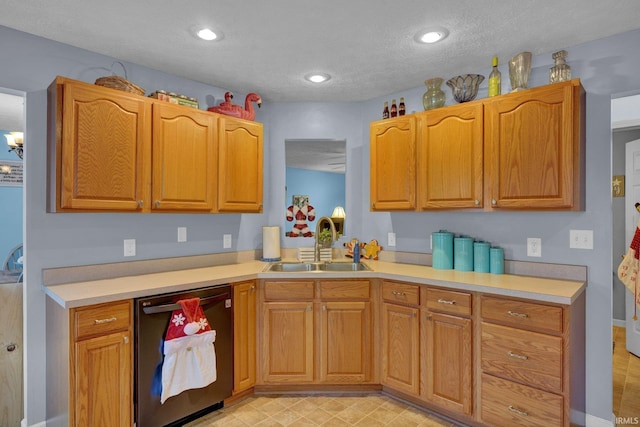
(154, 309)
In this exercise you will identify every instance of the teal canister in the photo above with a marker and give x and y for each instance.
(463, 253)
(496, 260)
(481, 257)
(442, 256)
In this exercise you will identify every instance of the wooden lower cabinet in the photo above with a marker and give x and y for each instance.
(345, 342)
(316, 332)
(244, 336)
(287, 342)
(101, 366)
(447, 351)
(400, 348)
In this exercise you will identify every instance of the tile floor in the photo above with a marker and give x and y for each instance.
(315, 410)
(626, 377)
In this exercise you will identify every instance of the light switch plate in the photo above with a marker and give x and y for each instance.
(391, 239)
(534, 246)
(182, 234)
(226, 241)
(129, 247)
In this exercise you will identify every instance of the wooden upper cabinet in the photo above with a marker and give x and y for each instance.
(450, 157)
(393, 164)
(184, 158)
(535, 148)
(102, 146)
(240, 165)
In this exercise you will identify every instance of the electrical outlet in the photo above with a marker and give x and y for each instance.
(391, 239)
(129, 247)
(226, 241)
(581, 239)
(534, 246)
(182, 234)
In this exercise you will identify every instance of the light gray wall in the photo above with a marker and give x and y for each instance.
(607, 67)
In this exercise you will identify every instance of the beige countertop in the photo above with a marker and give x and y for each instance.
(82, 293)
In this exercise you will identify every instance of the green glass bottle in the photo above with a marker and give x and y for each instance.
(495, 79)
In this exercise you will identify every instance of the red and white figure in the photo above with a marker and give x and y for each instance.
(301, 211)
(230, 109)
(629, 267)
(189, 352)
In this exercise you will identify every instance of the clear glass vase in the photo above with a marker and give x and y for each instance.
(434, 97)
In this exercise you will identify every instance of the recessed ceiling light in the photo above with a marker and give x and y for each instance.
(207, 34)
(317, 77)
(431, 35)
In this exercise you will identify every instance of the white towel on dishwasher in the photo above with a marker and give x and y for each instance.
(189, 351)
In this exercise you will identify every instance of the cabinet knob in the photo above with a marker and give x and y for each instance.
(157, 203)
(309, 308)
(373, 205)
(253, 288)
(126, 340)
(428, 317)
(476, 202)
(11, 347)
(140, 203)
(324, 308)
(494, 202)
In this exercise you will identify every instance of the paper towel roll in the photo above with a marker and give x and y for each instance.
(271, 243)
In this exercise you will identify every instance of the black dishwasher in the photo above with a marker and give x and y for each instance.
(153, 316)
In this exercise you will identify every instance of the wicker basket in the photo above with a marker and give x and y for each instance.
(119, 83)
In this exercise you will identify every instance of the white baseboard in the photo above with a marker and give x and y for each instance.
(620, 323)
(592, 421)
(23, 423)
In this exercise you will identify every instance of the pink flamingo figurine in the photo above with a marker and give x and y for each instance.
(234, 110)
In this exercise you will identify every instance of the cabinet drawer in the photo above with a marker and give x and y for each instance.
(449, 301)
(401, 293)
(345, 289)
(288, 291)
(101, 319)
(507, 404)
(525, 356)
(522, 314)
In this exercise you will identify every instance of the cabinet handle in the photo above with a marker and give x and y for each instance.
(309, 308)
(398, 294)
(126, 340)
(373, 205)
(413, 314)
(324, 308)
(140, 203)
(517, 356)
(514, 314)
(444, 301)
(428, 317)
(517, 411)
(101, 321)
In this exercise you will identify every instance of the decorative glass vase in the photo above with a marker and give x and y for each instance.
(465, 87)
(434, 97)
(519, 70)
(560, 72)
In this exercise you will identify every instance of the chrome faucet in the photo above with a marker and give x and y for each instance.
(316, 256)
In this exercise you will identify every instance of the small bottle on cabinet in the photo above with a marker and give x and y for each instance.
(495, 79)
(385, 111)
(394, 108)
(401, 109)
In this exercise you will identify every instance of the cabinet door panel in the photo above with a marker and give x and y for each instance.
(451, 158)
(345, 342)
(105, 149)
(287, 342)
(393, 164)
(184, 158)
(449, 361)
(240, 170)
(534, 146)
(400, 349)
(244, 336)
(104, 381)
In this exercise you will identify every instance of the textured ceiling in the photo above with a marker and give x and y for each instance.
(366, 45)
